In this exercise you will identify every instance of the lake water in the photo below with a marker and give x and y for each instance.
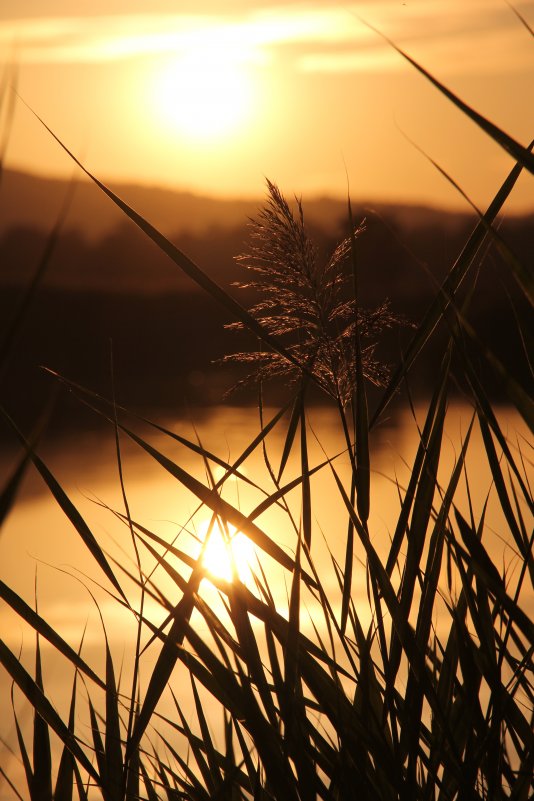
(38, 545)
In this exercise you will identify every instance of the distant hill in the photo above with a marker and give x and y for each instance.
(100, 250)
(106, 282)
(29, 201)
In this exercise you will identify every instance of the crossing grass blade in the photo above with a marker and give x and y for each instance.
(167, 658)
(218, 505)
(65, 780)
(182, 261)
(41, 789)
(67, 506)
(454, 278)
(45, 630)
(26, 762)
(10, 490)
(43, 707)
(8, 98)
(522, 155)
(513, 526)
(425, 700)
(291, 434)
(523, 276)
(361, 419)
(22, 310)
(11, 487)
(517, 394)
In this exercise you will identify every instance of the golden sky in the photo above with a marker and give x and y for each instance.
(304, 93)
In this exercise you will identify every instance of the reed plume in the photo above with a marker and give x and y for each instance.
(305, 302)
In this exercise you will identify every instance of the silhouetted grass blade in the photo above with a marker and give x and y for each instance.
(112, 742)
(67, 506)
(449, 287)
(363, 477)
(43, 707)
(45, 630)
(41, 789)
(517, 151)
(217, 504)
(182, 261)
(65, 779)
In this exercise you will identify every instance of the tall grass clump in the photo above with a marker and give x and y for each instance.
(336, 669)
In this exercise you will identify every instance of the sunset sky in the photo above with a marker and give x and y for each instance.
(213, 100)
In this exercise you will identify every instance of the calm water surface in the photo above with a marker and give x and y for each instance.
(39, 547)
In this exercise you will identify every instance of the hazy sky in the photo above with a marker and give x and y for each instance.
(217, 99)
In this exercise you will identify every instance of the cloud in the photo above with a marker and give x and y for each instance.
(479, 36)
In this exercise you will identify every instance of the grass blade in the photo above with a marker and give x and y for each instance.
(455, 277)
(65, 774)
(112, 745)
(519, 153)
(363, 473)
(45, 630)
(43, 707)
(217, 504)
(42, 755)
(181, 260)
(68, 507)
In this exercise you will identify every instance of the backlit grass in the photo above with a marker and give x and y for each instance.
(422, 690)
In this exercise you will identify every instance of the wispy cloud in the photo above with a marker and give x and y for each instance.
(479, 36)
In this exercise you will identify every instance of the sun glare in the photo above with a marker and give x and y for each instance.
(203, 96)
(224, 548)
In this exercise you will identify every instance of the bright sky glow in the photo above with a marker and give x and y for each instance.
(224, 548)
(204, 96)
(213, 101)
(472, 28)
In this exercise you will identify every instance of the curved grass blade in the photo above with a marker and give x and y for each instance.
(485, 410)
(8, 95)
(290, 436)
(65, 774)
(214, 758)
(149, 785)
(9, 493)
(43, 707)
(217, 504)
(478, 559)
(98, 749)
(447, 291)
(181, 260)
(21, 312)
(45, 630)
(12, 787)
(167, 658)
(498, 479)
(26, 763)
(523, 276)
(517, 151)
(517, 394)
(68, 507)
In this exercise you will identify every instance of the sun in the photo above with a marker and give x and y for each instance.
(226, 550)
(204, 96)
